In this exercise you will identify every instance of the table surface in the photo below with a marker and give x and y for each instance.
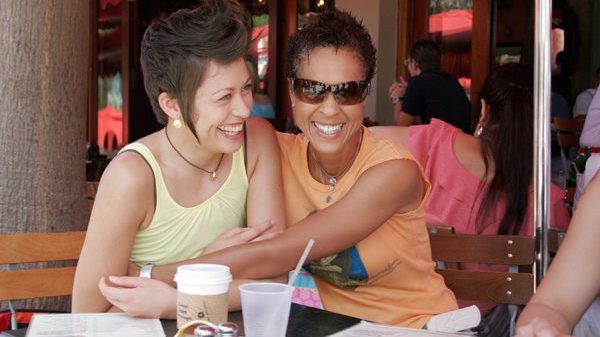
(303, 322)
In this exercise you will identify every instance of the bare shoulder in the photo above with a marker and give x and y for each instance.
(259, 130)
(261, 140)
(398, 179)
(397, 134)
(467, 150)
(405, 172)
(128, 173)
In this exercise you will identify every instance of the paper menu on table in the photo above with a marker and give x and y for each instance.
(367, 329)
(93, 325)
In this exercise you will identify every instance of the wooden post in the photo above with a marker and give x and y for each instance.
(43, 80)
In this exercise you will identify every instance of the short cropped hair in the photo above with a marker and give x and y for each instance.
(332, 28)
(427, 54)
(177, 49)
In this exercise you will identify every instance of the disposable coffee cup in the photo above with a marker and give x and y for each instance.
(202, 293)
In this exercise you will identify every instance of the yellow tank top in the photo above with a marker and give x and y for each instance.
(389, 276)
(178, 233)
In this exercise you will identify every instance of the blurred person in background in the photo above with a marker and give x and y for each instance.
(429, 93)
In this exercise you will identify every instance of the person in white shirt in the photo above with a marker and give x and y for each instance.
(584, 99)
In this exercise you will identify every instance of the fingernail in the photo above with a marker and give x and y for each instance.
(112, 278)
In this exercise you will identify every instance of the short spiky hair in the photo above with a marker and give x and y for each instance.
(177, 49)
(332, 28)
(427, 54)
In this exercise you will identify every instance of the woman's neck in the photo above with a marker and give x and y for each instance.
(334, 164)
(182, 145)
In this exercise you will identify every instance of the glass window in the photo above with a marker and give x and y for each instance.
(110, 94)
(451, 27)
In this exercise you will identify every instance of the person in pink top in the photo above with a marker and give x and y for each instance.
(482, 183)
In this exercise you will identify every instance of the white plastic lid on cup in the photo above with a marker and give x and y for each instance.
(203, 279)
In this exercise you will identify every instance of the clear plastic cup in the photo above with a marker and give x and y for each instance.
(265, 308)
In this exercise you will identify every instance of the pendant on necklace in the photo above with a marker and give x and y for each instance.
(328, 199)
(332, 182)
(214, 175)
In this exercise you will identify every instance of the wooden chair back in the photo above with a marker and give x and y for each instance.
(569, 198)
(568, 131)
(38, 247)
(555, 239)
(90, 191)
(512, 287)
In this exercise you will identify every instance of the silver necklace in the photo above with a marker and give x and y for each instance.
(213, 174)
(332, 179)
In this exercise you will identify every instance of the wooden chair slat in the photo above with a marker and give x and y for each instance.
(555, 237)
(498, 287)
(567, 130)
(568, 124)
(515, 251)
(569, 195)
(436, 229)
(567, 140)
(91, 187)
(493, 249)
(40, 247)
(32, 283)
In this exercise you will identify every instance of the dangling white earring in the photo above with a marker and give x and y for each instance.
(479, 131)
(177, 124)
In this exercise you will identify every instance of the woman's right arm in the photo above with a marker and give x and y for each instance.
(573, 279)
(124, 201)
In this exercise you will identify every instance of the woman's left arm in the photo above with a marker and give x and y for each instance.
(265, 187)
(265, 212)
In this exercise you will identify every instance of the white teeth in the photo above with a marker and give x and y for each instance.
(328, 129)
(231, 129)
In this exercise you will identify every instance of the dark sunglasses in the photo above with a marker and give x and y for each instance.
(313, 92)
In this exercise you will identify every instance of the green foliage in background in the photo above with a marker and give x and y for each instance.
(260, 20)
(577, 166)
(438, 6)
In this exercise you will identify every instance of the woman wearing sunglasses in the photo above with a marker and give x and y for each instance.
(358, 196)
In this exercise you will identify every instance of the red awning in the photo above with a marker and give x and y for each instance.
(454, 21)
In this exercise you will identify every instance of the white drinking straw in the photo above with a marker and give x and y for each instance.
(301, 262)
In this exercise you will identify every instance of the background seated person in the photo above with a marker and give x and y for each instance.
(590, 137)
(572, 283)
(186, 190)
(429, 93)
(584, 99)
(359, 196)
(261, 107)
(481, 184)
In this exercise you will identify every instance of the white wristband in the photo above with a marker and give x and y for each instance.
(146, 271)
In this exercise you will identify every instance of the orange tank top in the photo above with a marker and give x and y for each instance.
(389, 276)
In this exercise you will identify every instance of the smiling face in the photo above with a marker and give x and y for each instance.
(330, 127)
(221, 105)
